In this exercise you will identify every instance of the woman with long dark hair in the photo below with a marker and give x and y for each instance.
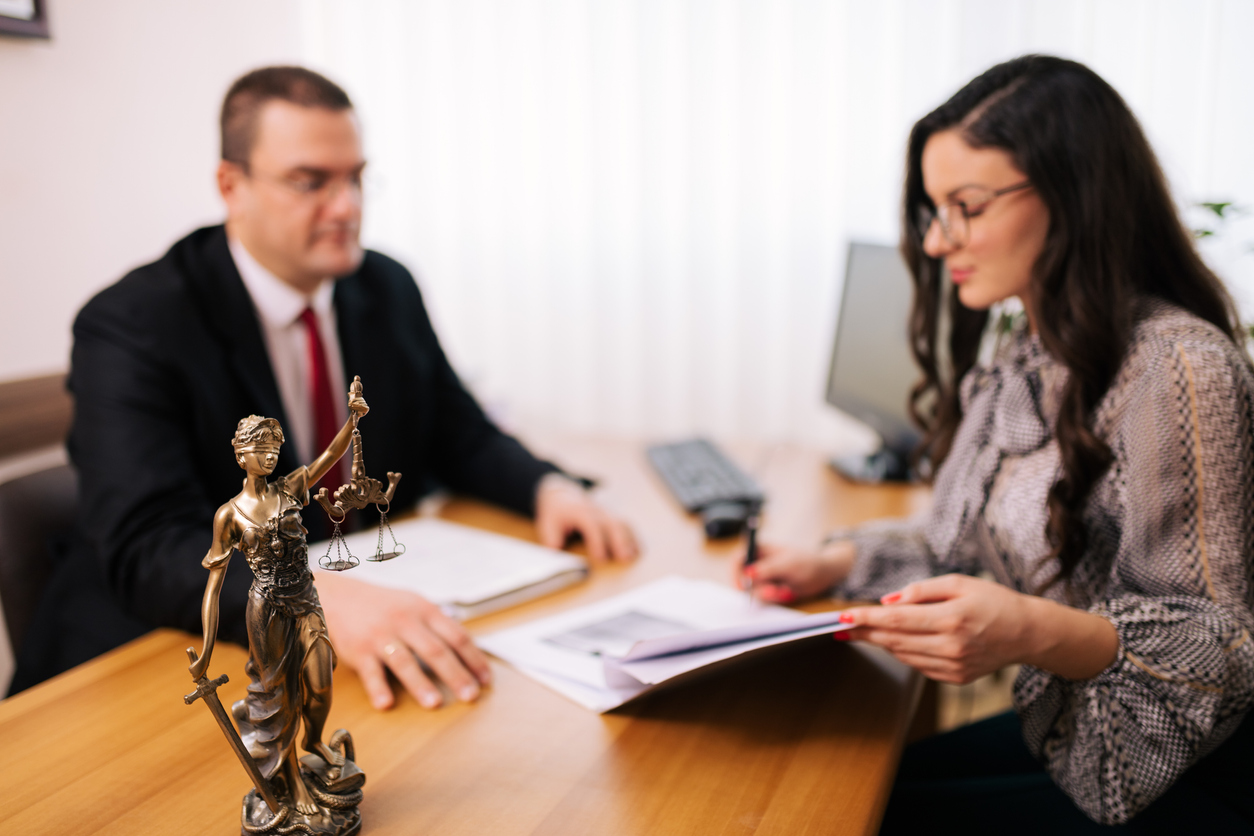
(1100, 469)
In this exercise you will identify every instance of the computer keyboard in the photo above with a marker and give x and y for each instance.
(700, 475)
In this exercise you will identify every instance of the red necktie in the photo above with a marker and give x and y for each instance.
(321, 399)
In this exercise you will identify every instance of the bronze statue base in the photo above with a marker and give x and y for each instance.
(335, 788)
(256, 818)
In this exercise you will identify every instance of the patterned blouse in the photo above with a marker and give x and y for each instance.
(1169, 560)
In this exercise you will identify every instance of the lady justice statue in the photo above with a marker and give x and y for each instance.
(290, 657)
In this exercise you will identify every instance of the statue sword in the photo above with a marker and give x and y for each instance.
(208, 690)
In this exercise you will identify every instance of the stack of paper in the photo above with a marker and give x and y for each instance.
(607, 653)
(467, 571)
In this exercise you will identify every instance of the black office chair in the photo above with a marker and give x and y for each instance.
(33, 509)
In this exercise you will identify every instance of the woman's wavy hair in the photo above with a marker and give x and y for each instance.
(1114, 235)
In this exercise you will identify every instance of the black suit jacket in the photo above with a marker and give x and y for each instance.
(167, 361)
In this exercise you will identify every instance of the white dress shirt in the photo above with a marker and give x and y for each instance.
(279, 306)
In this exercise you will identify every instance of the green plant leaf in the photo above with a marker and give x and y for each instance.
(1203, 233)
(1217, 207)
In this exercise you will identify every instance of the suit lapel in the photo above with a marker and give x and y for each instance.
(216, 284)
(359, 341)
(363, 324)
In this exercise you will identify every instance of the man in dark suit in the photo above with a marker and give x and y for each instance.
(250, 318)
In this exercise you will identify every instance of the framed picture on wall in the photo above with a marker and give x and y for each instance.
(27, 18)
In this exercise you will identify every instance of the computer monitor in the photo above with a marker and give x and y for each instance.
(872, 370)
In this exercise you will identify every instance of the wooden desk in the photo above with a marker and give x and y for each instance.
(802, 741)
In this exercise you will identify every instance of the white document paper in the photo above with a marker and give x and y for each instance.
(607, 653)
(467, 571)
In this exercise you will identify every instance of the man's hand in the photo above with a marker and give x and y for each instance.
(956, 629)
(784, 574)
(375, 629)
(563, 507)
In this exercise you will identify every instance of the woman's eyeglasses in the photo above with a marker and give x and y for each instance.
(955, 214)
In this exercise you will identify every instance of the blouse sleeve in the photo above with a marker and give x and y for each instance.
(892, 553)
(1175, 513)
(888, 555)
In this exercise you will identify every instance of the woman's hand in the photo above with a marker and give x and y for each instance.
(956, 628)
(784, 574)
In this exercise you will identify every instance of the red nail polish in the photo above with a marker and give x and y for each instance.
(891, 598)
(787, 595)
(841, 636)
(846, 618)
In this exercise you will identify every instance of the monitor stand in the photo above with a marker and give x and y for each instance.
(884, 465)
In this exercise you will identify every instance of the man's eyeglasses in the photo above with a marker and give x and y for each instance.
(956, 213)
(311, 184)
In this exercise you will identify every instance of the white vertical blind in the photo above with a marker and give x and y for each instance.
(631, 217)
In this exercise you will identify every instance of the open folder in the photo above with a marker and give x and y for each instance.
(607, 653)
(467, 571)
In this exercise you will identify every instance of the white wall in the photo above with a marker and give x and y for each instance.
(108, 146)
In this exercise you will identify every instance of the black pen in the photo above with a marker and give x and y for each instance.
(751, 549)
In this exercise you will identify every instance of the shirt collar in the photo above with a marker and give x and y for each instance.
(278, 304)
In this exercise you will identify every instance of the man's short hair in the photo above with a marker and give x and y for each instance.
(242, 106)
